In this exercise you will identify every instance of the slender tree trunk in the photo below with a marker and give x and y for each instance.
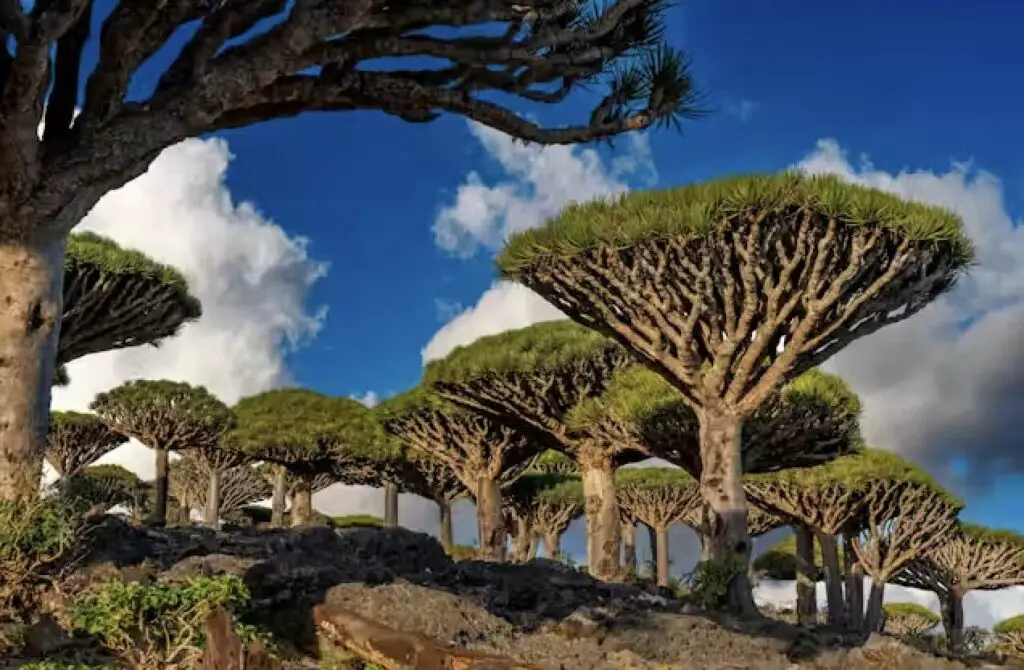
(390, 506)
(279, 500)
(551, 542)
(724, 514)
(833, 578)
(873, 617)
(806, 598)
(601, 512)
(521, 539)
(532, 551)
(661, 533)
(629, 548)
(212, 512)
(444, 531)
(853, 574)
(490, 524)
(952, 605)
(158, 517)
(31, 286)
(302, 502)
(652, 544)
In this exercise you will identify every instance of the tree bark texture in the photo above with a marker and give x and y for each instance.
(652, 544)
(661, 533)
(522, 536)
(601, 510)
(724, 514)
(302, 502)
(629, 548)
(552, 546)
(444, 531)
(806, 597)
(31, 286)
(853, 576)
(532, 551)
(212, 512)
(279, 501)
(489, 519)
(833, 578)
(158, 517)
(390, 506)
(952, 605)
(873, 616)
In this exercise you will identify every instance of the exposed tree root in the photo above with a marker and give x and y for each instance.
(224, 650)
(397, 650)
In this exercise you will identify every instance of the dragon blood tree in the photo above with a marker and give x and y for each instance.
(76, 440)
(237, 486)
(731, 288)
(478, 449)
(310, 435)
(659, 497)
(234, 63)
(428, 477)
(116, 298)
(554, 462)
(557, 500)
(971, 558)
(908, 619)
(103, 486)
(1009, 635)
(533, 379)
(165, 416)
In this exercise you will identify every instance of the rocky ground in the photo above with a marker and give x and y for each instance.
(375, 583)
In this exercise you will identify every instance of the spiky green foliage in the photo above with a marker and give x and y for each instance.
(76, 439)
(1014, 624)
(165, 414)
(107, 485)
(779, 560)
(356, 521)
(306, 431)
(554, 462)
(116, 298)
(908, 619)
(550, 501)
(696, 210)
(658, 497)
(544, 346)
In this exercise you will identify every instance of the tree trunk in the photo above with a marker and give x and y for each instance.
(532, 552)
(833, 578)
(873, 617)
(551, 542)
(806, 597)
(652, 544)
(278, 502)
(952, 605)
(31, 283)
(601, 511)
(158, 517)
(853, 575)
(724, 514)
(661, 533)
(489, 521)
(212, 512)
(629, 548)
(521, 539)
(390, 506)
(302, 502)
(444, 531)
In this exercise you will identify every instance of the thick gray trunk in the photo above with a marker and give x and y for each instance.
(521, 539)
(952, 605)
(661, 533)
(158, 517)
(724, 514)
(302, 502)
(833, 578)
(212, 512)
(652, 545)
(853, 577)
(31, 287)
(490, 526)
(873, 617)
(279, 501)
(551, 542)
(532, 551)
(445, 525)
(806, 599)
(601, 510)
(629, 548)
(390, 506)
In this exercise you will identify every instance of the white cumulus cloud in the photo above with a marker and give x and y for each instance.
(251, 276)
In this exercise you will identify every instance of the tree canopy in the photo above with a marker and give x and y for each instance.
(908, 619)
(658, 497)
(554, 462)
(240, 486)
(108, 485)
(76, 440)
(116, 298)
(779, 560)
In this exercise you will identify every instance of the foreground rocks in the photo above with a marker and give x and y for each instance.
(393, 594)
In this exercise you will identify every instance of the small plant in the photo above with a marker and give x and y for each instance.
(709, 582)
(159, 625)
(1010, 636)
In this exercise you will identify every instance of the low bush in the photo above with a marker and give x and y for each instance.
(910, 619)
(708, 584)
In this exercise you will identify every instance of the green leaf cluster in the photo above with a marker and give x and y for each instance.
(106, 484)
(653, 478)
(633, 395)
(911, 610)
(554, 462)
(39, 531)
(161, 623)
(697, 210)
(994, 535)
(546, 487)
(1014, 624)
(541, 347)
(294, 425)
(356, 521)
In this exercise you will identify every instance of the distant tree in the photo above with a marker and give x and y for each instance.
(76, 440)
(1010, 636)
(237, 487)
(232, 64)
(659, 497)
(215, 460)
(555, 462)
(971, 558)
(797, 558)
(428, 477)
(310, 435)
(357, 521)
(557, 500)
(908, 619)
(165, 416)
(732, 288)
(478, 449)
(104, 486)
(533, 378)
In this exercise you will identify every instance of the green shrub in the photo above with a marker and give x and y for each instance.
(709, 582)
(158, 625)
(355, 521)
(909, 619)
